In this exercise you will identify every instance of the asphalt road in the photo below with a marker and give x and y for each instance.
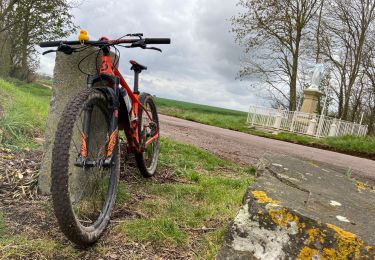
(248, 149)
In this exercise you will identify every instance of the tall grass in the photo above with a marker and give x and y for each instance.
(24, 109)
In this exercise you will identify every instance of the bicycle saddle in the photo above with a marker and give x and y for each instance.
(136, 66)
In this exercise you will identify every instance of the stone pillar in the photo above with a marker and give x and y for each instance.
(67, 82)
(277, 123)
(311, 127)
(332, 129)
(310, 100)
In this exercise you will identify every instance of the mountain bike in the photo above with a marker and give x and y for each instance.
(85, 165)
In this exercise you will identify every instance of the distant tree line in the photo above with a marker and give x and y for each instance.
(283, 39)
(25, 23)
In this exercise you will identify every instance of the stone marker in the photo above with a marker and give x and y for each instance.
(312, 94)
(301, 210)
(310, 101)
(67, 82)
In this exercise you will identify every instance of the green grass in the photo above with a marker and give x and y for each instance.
(354, 144)
(20, 247)
(188, 210)
(221, 117)
(208, 194)
(236, 120)
(24, 111)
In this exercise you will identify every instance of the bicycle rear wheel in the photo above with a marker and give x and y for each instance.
(84, 191)
(148, 127)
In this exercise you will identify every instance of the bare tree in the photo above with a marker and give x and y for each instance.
(346, 27)
(273, 33)
(368, 97)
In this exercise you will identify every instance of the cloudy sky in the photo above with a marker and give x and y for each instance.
(199, 66)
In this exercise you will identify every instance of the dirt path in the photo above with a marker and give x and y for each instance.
(248, 149)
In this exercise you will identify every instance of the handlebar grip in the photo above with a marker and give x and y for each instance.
(58, 43)
(50, 44)
(157, 40)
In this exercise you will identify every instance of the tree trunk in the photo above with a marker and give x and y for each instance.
(317, 57)
(371, 123)
(25, 43)
(293, 79)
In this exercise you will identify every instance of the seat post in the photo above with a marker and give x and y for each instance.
(137, 69)
(136, 79)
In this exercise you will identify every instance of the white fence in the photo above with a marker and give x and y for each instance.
(303, 123)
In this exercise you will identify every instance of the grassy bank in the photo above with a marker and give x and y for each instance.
(23, 112)
(236, 120)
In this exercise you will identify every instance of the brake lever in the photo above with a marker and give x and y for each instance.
(141, 44)
(153, 48)
(49, 51)
(140, 35)
(63, 48)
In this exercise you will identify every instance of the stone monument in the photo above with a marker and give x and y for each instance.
(312, 94)
(68, 80)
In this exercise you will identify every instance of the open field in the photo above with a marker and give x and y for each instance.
(181, 213)
(236, 120)
(221, 117)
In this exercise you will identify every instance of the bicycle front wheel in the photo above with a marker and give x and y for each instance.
(83, 187)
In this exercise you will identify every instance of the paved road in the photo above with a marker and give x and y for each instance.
(248, 149)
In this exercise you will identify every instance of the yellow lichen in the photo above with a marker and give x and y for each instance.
(308, 253)
(368, 248)
(262, 197)
(301, 226)
(363, 186)
(329, 254)
(347, 242)
(360, 186)
(315, 234)
(282, 217)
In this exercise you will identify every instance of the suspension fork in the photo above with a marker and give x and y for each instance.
(113, 129)
(113, 136)
(83, 159)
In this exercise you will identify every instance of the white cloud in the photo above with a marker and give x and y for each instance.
(201, 63)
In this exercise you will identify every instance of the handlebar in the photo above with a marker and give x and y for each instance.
(158, 41)
(107, 42)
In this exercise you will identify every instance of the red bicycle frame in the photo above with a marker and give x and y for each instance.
(131, 132)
